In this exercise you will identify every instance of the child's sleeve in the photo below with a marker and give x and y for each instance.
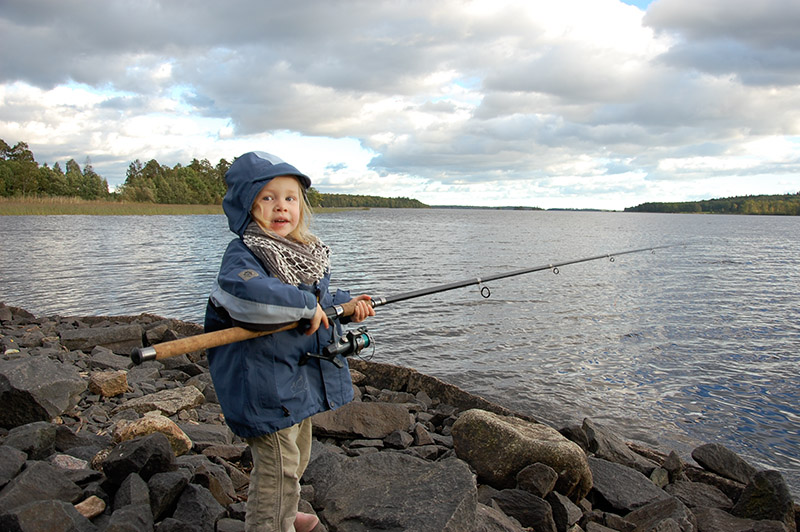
(252, 298)
(341, 296)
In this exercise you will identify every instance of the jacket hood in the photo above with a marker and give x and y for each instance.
(245, 178)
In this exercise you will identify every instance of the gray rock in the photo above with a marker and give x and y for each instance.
(531, 511)
(39, 481)
(399, 439)
(722, 461)
(767, 497)
(131, 518)
(232, 452)
(239, 478)
(173, 525)
(5, 313)
(37, 440)
(37, 389)
(619, 488)
(597, 527)
(499, 447)
(539, 479)
(132, 491)
(575, 433)
(145, 456)
(675, 466)
(198, 508)
(168, 402)
(45, 516)
(362, 420)
(490, 519)
(204, 435)
(118, 338)
(731, 488)
(697, 494)
(390, 396)
(663, 514)
(565, 512)
(215, 478)
(226, 524)
(421, 435)
(592, 519)
(383, 491)
(11, 462)
(67, 439)
(103, 358)
(608, 446)
(165, 488)
(660, 477)
(183, 364)
(716, 520)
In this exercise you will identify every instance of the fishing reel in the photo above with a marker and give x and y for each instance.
(349, 344)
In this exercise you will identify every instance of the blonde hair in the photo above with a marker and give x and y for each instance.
(302, 233)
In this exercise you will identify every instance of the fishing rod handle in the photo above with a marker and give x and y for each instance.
(349, 308)
(181, 346)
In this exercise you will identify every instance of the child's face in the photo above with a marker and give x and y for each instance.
(277, 206)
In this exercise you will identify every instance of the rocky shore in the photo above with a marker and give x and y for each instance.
(90, 442)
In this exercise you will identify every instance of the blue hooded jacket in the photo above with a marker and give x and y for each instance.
(260, 383)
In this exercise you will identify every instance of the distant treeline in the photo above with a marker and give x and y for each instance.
(198, 183)
(784, 204)
(349, 200)
(21, 176)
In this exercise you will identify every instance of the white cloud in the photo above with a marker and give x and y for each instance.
(581, 103)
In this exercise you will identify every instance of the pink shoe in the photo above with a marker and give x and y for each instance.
(305, 522)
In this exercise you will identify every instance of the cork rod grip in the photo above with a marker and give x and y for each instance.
(182, 346)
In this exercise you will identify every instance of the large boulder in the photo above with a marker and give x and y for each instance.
(37, 389)
(393, 491)
(499, 447)
(362, 420)
(722, 461)
(767, 497)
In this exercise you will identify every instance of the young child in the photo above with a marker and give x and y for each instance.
(274, 274)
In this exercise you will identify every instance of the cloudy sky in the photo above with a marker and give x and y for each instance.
(568, 103)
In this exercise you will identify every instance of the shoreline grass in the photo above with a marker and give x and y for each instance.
(61, 206)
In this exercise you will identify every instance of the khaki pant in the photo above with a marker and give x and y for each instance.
(279, 460)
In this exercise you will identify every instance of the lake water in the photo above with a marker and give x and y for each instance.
(695, 343)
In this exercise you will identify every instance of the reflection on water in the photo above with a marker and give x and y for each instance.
(696, 343)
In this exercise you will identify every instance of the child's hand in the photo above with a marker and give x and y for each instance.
(319, 318)
(363, 308)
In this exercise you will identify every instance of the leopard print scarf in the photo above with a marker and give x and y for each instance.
(288, 260)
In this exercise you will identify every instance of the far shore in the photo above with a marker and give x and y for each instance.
(61, 206)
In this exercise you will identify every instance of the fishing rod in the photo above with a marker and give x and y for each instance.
(353, 341)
